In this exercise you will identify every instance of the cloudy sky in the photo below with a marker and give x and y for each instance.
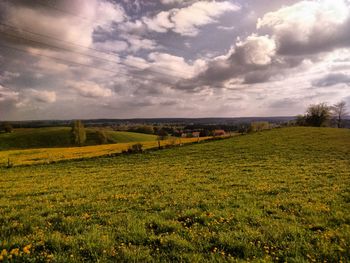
(65, 59)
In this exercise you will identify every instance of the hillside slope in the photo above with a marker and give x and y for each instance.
(60, 137)
(281, 195)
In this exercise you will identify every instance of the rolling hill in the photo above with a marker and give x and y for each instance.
(60, 137)
(276, 196)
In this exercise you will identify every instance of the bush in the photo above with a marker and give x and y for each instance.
(7, 127)
(318, 115)
(135, 148)
(259, 126)
(301, 120)
(101, 137)
(146, 129)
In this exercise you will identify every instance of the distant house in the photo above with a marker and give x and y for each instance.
(196, 134)
(184, 135)
(219, 133)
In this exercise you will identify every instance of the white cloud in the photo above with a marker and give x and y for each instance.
(26, 98)
(90, 89)
(8, 75)
(90, 15)
(172, 2)
(111, 45)
(174, 65)
(47, 65)
(256, 50)
(137, 43)
(8, 95)
(108, 12)
(227, 28)
(187, 20)
(132, 26)
(160, 23)
(309, 26)
(42, 96)
(136, 62)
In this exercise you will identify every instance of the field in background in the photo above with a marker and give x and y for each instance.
(60, 137)
(49, 155)
(277, 196)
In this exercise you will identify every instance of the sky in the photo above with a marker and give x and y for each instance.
(83, 59)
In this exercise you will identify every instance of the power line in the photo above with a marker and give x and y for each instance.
(57, 47)
(67, 12)
(64, 11)
(84, 65)
(13, 28)
(109, 52)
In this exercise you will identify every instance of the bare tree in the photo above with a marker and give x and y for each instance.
(339, 112)
(162, 135)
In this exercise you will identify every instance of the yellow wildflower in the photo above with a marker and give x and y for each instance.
(27, 248)
(4, 253)
(14, 251)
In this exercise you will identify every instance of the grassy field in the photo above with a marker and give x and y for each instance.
(51, 155)
(277, 196)
(60, 137)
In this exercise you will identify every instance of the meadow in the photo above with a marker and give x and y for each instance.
(27, 138)
(277, 196)
(52, 155)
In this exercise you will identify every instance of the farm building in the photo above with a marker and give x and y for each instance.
(219, 132)
(196, 134)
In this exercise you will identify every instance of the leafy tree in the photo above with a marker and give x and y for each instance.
(339, 112)
(147, 129)
(244, 128)
(318, 115)
(78, 133)
(101, 137)
(301, 120)
(7, 127)
(204, 133)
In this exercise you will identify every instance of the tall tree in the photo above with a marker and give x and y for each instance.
(78, 133)
(339, 113)
(318, 115)
(101, 137)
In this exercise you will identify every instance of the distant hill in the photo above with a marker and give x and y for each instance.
(26, 138)
(150, 121)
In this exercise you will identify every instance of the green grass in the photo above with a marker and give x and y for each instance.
(60, 137)
(129, 136)
(281, 195)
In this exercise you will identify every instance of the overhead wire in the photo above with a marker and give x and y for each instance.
(85, 65)
(108, 52)
(92, 22)
(13, 28)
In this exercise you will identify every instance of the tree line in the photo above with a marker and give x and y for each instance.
(323, 115)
